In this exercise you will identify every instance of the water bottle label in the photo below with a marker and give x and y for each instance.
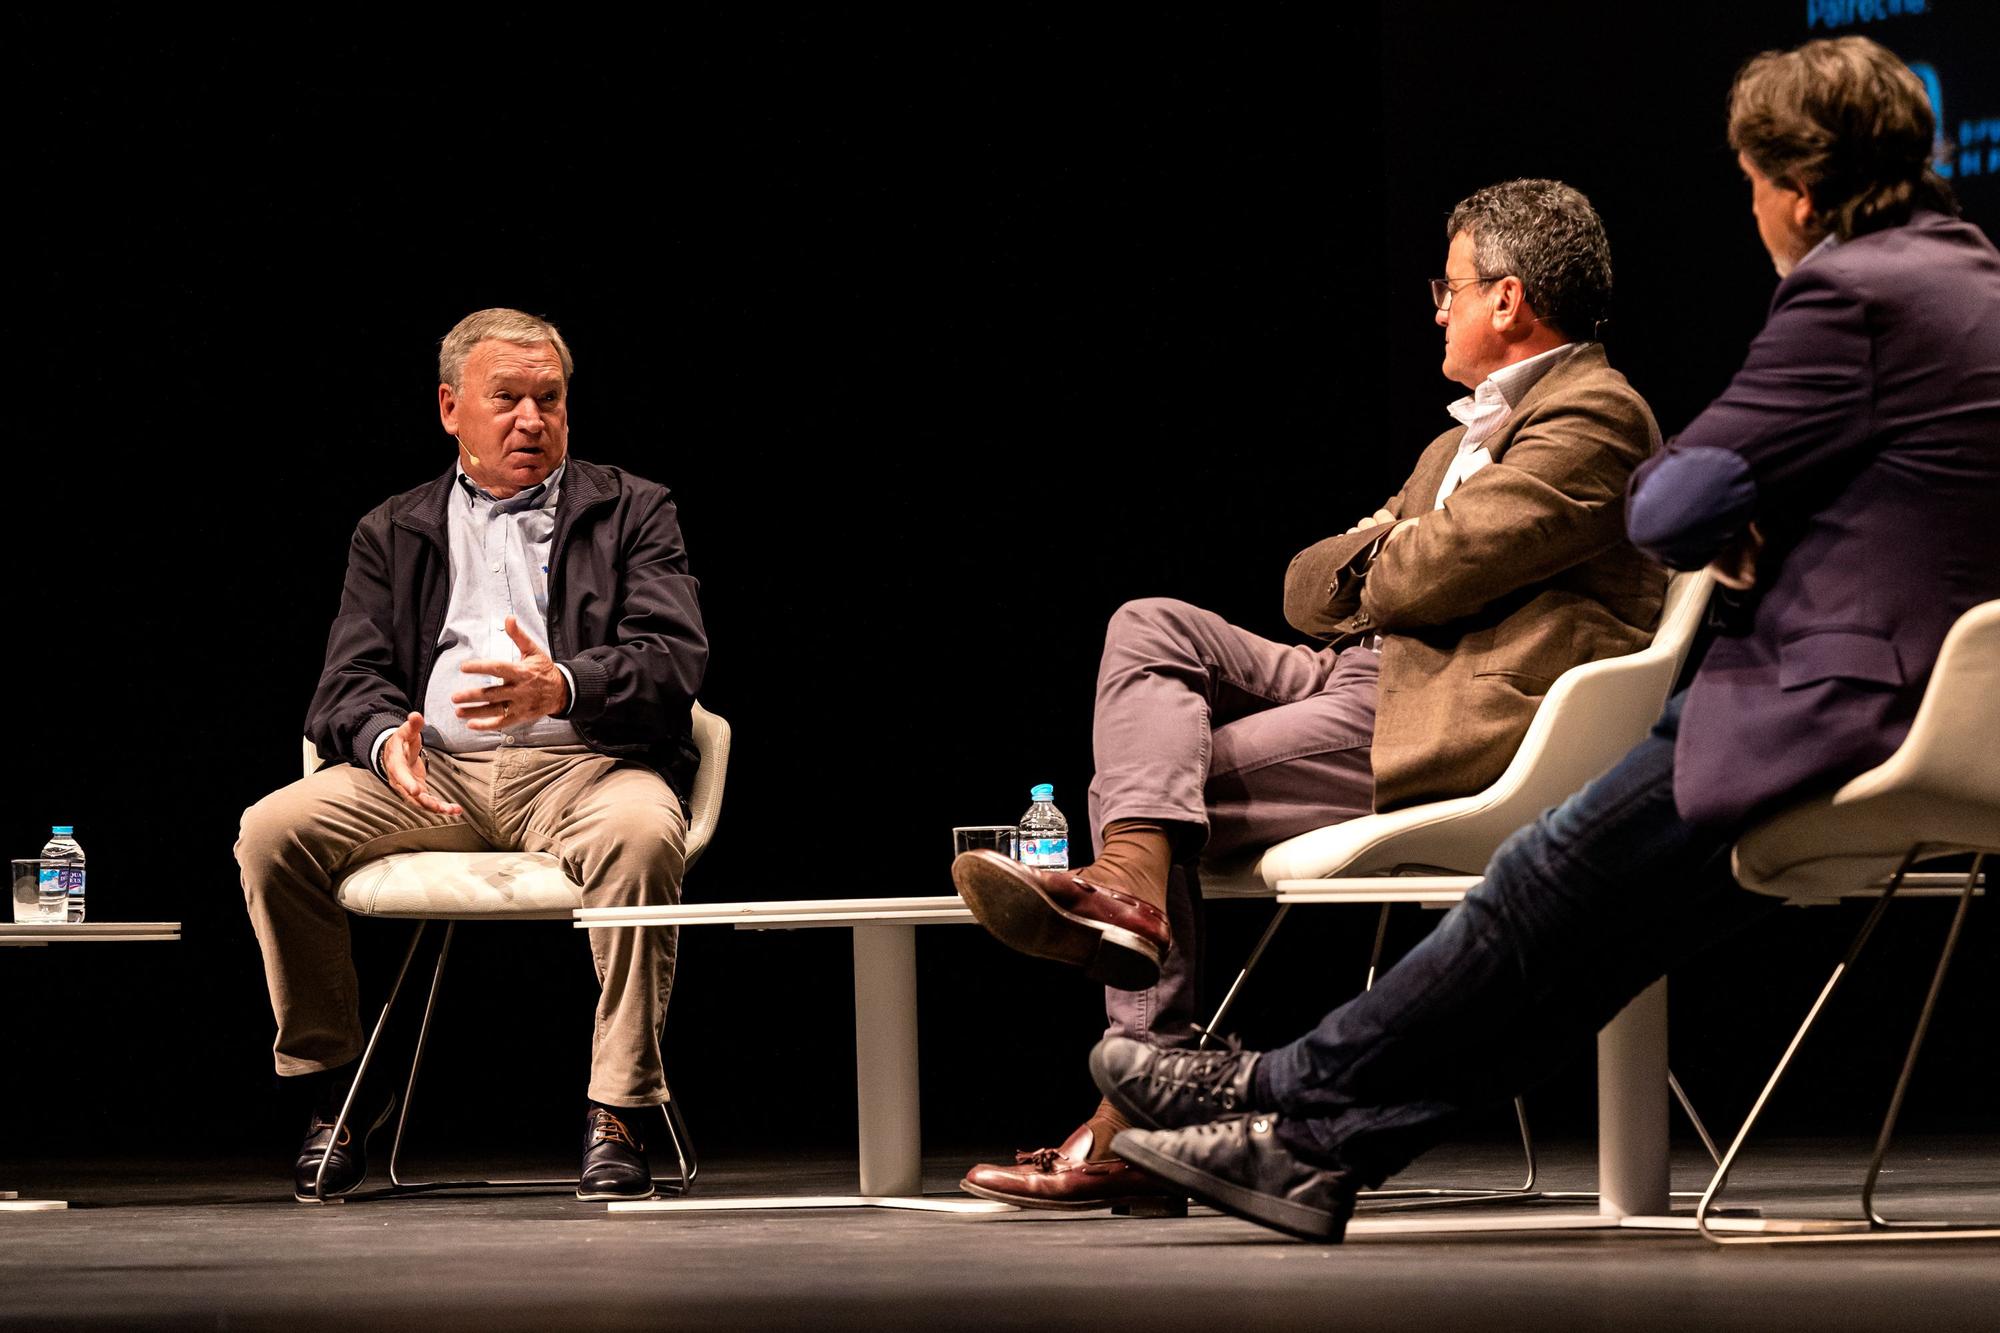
(53, 881)
(1045, 853)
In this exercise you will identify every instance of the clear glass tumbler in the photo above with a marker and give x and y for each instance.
(33, 906)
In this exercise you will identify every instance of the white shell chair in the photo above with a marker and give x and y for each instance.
(501, 886)
(1937, 795)
(1592, 715)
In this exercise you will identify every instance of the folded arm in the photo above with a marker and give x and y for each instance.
(1553, 499)
(1323, 583)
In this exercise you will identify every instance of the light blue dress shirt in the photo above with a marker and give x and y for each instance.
(499, 552)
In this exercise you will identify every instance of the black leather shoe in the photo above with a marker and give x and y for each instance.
(346, 1161)
(1243, 1168)
(1166, 1087)
(614, 1157)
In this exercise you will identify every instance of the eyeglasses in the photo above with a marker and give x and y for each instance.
(1443, 289)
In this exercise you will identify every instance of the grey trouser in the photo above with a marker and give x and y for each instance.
(617, 828)
(1207, 725)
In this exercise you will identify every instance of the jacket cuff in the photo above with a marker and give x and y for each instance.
(1682, 508)
(590, 683)
(364, 740)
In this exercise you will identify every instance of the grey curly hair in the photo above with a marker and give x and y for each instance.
(1546, 234)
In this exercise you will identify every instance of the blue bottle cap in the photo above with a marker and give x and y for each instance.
(62, 830)
(1042, 791)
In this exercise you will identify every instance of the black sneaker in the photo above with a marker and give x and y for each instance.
(1166, 1087)
(1242, 1167)
(346, 1161)
(614, 1156)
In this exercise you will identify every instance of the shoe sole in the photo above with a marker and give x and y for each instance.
(1139, 1205)
(603, 1196)
(1019, 917)
(340, 1196)
(1294, 1219)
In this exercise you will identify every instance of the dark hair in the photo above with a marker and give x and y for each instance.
(1848, 123)
(1546, 234)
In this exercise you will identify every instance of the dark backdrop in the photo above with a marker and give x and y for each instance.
(948, 338)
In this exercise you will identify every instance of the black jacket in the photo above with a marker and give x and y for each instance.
(624, 617)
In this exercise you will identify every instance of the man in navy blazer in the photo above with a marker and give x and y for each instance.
(1861, 428)
(1843, 488)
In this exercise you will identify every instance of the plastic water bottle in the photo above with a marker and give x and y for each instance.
(64, 880)
(1043, 835)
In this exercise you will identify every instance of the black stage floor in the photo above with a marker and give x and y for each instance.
(221, 1245)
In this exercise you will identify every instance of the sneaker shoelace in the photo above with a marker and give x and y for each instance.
(1205, 1073)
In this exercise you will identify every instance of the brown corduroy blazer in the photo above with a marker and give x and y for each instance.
(1524, 573)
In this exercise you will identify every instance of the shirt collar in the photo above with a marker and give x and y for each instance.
(1503, 390)
(535, 497)
(1827, 242)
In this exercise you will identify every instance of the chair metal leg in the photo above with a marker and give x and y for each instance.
(417, 1057)
(683, 1142)
(1802, 1231)
(677, 1132)
(1694, 1118)
(367, 1055)
(1433, 1196)
(1422, 1197)
(1249, 966)
(1910, 1061)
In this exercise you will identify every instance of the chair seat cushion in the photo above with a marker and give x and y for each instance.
(527, 885)
(1828, 848)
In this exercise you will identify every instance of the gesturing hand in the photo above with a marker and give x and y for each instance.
(528, 689)
(1375, 519)
(403, 766)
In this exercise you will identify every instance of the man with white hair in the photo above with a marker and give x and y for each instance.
(518, 647)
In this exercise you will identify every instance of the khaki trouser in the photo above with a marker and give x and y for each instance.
(617, 828)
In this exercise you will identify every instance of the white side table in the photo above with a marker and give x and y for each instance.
(82, 932)
(885, 1037)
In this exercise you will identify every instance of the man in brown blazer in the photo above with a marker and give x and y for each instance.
(1445, 616)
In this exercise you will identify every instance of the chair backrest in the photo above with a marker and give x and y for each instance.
(1953, 749)
(1940, 790)
(711, 738)
(1592, 715)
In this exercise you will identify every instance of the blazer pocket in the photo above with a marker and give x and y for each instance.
(1838, 654)
(1524, 680)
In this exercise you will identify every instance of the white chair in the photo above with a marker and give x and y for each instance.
(1937, 795)
(1432, 854)
(501, 886)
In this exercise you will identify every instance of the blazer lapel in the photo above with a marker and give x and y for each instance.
(1429, 472)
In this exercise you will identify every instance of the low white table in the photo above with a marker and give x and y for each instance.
(885, 1038)
(1631, 1068)
(26, 936)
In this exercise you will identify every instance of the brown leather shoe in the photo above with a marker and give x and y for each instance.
(1056, 914)
(1064, 1178)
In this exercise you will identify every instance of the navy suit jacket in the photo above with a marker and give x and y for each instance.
(1862, 435)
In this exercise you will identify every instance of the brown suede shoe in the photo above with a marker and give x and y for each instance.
(1066, 1179)
(1055, 914)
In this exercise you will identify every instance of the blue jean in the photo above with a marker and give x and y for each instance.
(1577, 914)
